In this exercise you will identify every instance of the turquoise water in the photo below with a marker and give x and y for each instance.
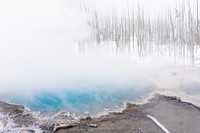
(76, 101)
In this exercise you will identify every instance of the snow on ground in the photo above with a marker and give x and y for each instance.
(8, 126)
(158, 123)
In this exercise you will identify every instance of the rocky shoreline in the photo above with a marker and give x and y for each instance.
(171, 112)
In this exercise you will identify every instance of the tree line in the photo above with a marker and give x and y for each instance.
(176, 31)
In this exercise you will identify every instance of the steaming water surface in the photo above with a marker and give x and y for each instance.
(77, 101)
(37, 51)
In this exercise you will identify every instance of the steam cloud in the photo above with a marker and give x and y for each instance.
(38, 49)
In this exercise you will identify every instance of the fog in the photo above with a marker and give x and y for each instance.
(151, 7)
(38, 49)
(37, 37)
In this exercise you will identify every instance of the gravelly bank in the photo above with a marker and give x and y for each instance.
(171, 112)
(176, 116)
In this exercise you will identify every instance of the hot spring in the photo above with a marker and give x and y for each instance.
(94, 94)
(43, 68)
(78, 99)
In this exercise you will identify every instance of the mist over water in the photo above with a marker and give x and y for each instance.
(42, 68)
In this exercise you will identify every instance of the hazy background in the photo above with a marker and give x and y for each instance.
(38, 48)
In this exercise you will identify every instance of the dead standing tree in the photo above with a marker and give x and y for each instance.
(177, 31)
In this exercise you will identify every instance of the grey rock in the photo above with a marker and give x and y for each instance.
(93, 125)
(27, 131)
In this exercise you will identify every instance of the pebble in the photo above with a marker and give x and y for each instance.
(93, 125)
(27, 131)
